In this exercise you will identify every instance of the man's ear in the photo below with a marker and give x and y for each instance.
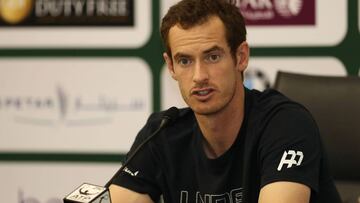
(170, 65)
(242, 56)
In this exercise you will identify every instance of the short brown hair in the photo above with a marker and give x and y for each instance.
(189, 13)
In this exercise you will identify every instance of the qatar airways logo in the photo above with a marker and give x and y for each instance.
(66, 107)
(278, 12)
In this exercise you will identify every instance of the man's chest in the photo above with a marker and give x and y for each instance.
(196, 180)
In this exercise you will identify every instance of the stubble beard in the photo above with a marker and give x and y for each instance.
(204, 109)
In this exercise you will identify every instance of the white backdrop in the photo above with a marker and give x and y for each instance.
(72, 104)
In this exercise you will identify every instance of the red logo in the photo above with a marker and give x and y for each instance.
(278, 12)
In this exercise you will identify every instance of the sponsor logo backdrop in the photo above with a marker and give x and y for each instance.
(78, 79)
(72, 104)
(291, 23)
(61, 32)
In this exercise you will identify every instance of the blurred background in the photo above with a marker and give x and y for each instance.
(78, 78)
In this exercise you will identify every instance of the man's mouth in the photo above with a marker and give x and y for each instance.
(202, 92)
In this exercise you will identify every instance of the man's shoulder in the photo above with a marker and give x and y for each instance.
(269, 97)
(272, 109)
(271, 101)
(271, 106)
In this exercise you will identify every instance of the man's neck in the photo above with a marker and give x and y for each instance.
(220, 130)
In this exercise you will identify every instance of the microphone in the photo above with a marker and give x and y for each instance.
(89, 193)
(169, 115)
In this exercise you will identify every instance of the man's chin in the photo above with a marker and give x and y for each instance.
(205, 111)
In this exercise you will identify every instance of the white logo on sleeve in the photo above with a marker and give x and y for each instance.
(127, 170)
(295, 159)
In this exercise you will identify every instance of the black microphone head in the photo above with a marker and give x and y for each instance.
(171, 114)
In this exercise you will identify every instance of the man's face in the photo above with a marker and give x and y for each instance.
(207, 74)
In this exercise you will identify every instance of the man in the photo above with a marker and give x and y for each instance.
(232, 144)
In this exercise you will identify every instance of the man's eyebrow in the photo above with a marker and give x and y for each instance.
(214, 48)
(180, 55)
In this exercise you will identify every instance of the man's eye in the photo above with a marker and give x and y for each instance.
(184, 61)
(212, 58)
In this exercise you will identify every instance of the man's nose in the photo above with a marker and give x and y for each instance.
(201, 73)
